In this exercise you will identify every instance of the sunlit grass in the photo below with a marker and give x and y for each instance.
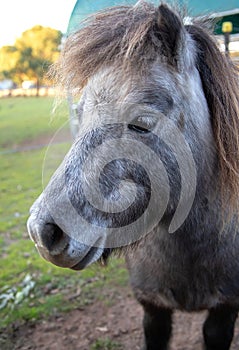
(24, 119)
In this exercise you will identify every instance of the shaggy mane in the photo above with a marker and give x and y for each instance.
(221, 87)
(121, 35)
(130, 37)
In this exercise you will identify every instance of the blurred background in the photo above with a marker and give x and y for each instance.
(42, 306)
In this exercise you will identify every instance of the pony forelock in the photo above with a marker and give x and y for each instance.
(132, 37)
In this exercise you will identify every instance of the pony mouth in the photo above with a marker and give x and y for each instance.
(93, 255)
(55, 246)
(65, 260)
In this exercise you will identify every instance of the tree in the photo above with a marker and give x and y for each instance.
(32, 54)
(9, 56)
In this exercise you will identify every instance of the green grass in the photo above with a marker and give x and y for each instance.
(105, 344)
(24, 119)
(49, 288)
(21, 181)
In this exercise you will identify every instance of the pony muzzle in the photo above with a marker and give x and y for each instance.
(56, 246)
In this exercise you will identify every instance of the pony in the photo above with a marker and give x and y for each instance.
(154, 170)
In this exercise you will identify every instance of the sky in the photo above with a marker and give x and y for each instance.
(16, 16)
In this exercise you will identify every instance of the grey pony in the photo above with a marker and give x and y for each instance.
(141, 70)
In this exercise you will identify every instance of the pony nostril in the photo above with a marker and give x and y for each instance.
(53, 238)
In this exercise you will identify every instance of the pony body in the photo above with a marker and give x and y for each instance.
(159, 133)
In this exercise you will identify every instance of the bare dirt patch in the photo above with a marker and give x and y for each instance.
(116, 318)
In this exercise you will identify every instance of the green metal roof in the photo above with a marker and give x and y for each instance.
(85, 7)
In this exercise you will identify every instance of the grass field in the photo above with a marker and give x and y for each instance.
(31, 288)
(24, 119)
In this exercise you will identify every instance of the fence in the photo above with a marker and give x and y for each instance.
(43, 91)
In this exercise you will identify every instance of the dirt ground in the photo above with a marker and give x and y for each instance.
(117, 318)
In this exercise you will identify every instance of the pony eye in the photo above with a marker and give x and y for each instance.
(141, 124)
(138, 128)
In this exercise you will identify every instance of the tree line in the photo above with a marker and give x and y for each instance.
(31, 55)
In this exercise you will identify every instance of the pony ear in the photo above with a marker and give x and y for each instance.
(170, 32)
